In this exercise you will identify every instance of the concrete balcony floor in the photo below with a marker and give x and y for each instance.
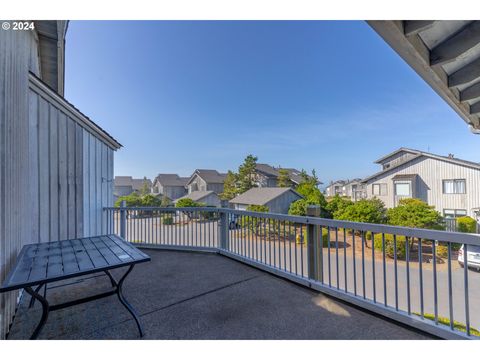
(185, 295)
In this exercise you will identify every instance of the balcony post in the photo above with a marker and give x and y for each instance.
(123, 219)
(314, 246)
(223, 229)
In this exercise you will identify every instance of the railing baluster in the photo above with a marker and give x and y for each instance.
(435, 292)
(407, 256)
(385, 302)
(354, 264)
(296, 245)
(450, 289)
(301, 248)
(344, 258)
(284, 248)
(329, 261)
(374, 287)
(363, 264)
(420, 274)
(395, 269)
(465, 282)
(336, 258)
(290, 246)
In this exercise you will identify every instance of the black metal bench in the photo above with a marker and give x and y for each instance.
(40, 264)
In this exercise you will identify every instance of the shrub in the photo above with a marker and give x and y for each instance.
(258, 208)
(131, 200)
(167, 219)
(186, 202)
(442, 250)
(367, 211)
(466, 224)
(337, 204)
(302, 237)
(415, 213)
(389, 245)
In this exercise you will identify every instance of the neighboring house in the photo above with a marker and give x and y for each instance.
(335, 188)
(125, 185)
(206, 180)
(451, 185)
(354, 189)
(56, 167)
(267, 175)
(277, 199)
(209, 198)
(170, 185)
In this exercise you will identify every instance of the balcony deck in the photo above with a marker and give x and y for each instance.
(185, 295)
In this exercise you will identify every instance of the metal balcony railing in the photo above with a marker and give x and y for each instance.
(410, 275)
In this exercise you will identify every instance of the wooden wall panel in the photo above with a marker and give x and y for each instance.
(55, 166)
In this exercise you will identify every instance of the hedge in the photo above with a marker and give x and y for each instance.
(466, 224)
(389, 245)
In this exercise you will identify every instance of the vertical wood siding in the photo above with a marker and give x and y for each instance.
(17, 57)
(55, 171)
(431, 173)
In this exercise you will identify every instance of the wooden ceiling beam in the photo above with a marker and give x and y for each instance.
(456, 45)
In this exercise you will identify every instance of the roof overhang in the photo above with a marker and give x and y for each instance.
(446, 54)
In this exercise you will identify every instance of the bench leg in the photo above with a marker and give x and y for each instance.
(124, 302)
(45, 309)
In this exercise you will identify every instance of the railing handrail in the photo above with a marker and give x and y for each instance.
(427, 234)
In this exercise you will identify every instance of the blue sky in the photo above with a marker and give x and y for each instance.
(324, 95)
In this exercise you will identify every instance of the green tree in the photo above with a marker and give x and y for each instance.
(145, 189)
(309, 190)
(415, 213)
(283, 179)
(299, 207)
(336, 205)
(246, 174)
(365, 210)
(311, 196)
(230, 186)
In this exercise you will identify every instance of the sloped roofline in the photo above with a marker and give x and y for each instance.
(273, 198)
(402, 149)
(420, 154)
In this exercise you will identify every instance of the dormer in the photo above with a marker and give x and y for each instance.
(397, 157)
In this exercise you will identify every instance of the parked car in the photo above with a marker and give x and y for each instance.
(473, 256)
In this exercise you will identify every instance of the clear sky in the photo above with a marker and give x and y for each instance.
(324, 95)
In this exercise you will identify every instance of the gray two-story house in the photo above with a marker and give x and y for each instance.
(206, 180)
(170, 185)
(267, 175)
(450, 184)
(125, 185)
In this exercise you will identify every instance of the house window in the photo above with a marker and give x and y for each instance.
(379, 189)
(402, 188)
(454, 213)
(456, 186)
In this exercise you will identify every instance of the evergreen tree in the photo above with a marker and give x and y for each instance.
(230, 186)
(246, 174)
(284, 178)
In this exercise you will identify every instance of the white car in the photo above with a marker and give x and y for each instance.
(473, 258)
